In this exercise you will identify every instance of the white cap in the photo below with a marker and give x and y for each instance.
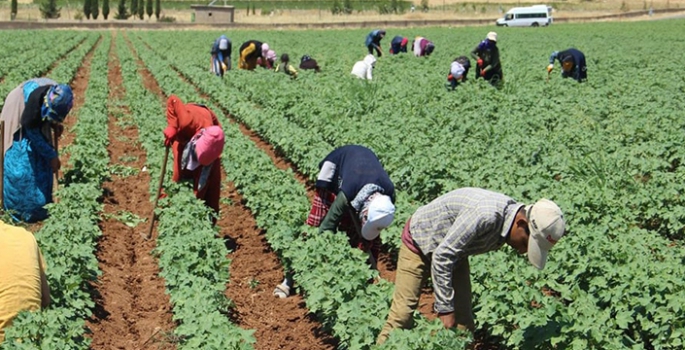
(547, 226)
(492, 36)
(380, 215)
(223, 44)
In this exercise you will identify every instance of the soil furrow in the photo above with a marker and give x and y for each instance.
(133, 311)
(255, 270)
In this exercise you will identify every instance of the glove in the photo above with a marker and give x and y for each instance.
(450, 77)
(479, 62)
(169, 135)
(549, 68)
(482, 72)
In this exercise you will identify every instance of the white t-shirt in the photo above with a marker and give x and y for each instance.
(456, 69)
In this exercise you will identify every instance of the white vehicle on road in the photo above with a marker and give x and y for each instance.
(532, 16)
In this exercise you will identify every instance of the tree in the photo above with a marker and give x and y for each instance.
(134, 8)
(122, 12)
(94, 8)
(49, 9)
(347, 7)
(105, 8)
(148, 9)
(141, 9)
(86, 8)
(158, 8)
(13, 11)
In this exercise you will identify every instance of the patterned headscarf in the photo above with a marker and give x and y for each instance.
(57, 103)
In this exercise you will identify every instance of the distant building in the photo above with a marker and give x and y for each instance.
(213, 14)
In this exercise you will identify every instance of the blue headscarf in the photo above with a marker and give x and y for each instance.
(57, 104)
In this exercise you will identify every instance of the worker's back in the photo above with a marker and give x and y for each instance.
(20, 274)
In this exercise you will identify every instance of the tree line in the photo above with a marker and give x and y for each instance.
(91, 9)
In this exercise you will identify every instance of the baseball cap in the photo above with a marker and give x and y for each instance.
(380, 215)
(210, 144)
(547, 226)
(492, 36)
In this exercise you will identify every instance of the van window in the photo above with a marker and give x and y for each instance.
(531, 15)
(508, 17)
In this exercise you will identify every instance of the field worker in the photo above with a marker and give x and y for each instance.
(32, 112)
(221, 56)
(459, 70)
(398, 44)
(196, 139)
(23, 286)
(268, 60)
(286, 67)
(422, 46)
(373, 41)
(353, 193)
(440, 236)
(486, 55)
(362, 69)
(572, 64)
(250, 51)
(307, 62)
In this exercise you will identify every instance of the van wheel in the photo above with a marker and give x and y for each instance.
(535, 24)
(506, 25)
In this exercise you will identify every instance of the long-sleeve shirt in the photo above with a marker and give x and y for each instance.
(487, 51)
(287, 68)
(345, 172)
(374, 38)
(217, 50)
(456, 225)
(579, 71)
(187, 119)
(32, 124)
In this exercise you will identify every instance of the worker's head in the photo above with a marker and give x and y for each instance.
(285, 58)
(370, 60)
(567, 64)
(536, 229)
(404, 42)
(305, 58)
(377, 213)
(271, 56)
(429, 49)
(381, 33)
(57, 103)
(223, 43)
(464, 61)
(492, 36)
(209, 144)
(265, 48)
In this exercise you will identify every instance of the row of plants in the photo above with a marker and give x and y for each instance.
(21, 67)
(606, 151)
(192, 260)
(69, 236)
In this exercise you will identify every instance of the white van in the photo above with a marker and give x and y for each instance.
(532, 16)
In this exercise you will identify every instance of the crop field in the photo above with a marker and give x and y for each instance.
(608, 151)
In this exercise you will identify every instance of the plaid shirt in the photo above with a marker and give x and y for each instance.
(461, 223)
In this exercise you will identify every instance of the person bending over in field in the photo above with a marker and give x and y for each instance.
(363, 69)
(398, 44)
(373, 41)
(572, 64)
(439, 237)
(486, 55)
(196, 139)
(32, 112)
(221, 56)
(459, 70)
(286, 67)
(354, 194)
(268, 60)
(307, 62)
(250, 51)
(23, 286)
(422, 47)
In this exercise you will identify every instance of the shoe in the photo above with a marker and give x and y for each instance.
(282, 291)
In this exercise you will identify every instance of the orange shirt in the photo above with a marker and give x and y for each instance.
(20, 274)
